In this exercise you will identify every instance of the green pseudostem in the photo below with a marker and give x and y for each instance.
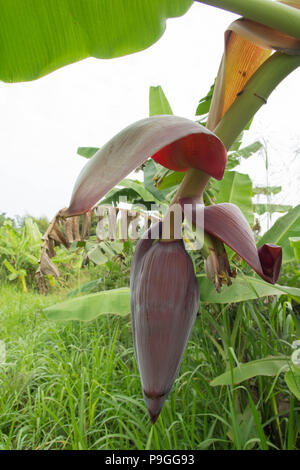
(247, 103)
(245, 106)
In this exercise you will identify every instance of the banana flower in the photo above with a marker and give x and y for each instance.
(164, 289)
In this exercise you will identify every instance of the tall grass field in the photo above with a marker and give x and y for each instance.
(75, 385)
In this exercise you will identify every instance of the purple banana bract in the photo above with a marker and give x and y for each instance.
(164, 305)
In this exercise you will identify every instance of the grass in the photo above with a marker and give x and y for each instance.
(76, 385)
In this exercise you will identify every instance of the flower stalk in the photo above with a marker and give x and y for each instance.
(246, 105)
(254, 95)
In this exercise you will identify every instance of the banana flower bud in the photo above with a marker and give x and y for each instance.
(164, 288)
(164, 305)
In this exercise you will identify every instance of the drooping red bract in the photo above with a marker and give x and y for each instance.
(227, 223)
(164, 305)
(173, 141)
(200, 151)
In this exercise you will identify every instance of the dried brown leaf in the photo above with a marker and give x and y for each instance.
(47, 267)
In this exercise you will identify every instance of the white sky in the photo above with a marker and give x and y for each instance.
(43, 122)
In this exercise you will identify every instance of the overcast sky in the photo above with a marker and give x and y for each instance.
(43, 122)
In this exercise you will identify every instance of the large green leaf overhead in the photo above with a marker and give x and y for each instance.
(39, 36)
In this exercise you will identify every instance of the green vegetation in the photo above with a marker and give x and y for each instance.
(68, 374)
(75, 385)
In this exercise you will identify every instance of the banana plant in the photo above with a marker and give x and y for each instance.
(19, 250)
(164, 288)
(19, 274)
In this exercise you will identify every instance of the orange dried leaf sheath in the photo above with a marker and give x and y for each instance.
(240, 61)
(243, 58)
(248, 45)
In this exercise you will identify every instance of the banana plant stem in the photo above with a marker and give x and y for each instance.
(192, 185)
(245, 106)
(247, 103)
(274, 14)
